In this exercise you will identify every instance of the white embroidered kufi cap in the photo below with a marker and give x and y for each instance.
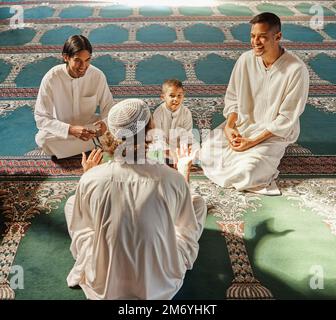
(128, 117)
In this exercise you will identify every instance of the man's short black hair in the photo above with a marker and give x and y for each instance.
(75, 44)
(270, 18)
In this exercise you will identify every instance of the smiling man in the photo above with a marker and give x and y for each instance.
(65, 110)
(267, 93)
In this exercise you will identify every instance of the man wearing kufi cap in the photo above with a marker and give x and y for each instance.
(134, 227)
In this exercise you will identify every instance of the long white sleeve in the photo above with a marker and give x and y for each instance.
(292, 106)
(231, 95)
(44, 112)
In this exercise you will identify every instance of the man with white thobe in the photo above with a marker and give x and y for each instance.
(267, 93)
(65, 110)
(134, 227)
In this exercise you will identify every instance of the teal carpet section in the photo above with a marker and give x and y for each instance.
(274, 8)
(16, 37)
(214, 69)
(204, 33)
(330, 29)
(5, 68)
(217, 119)
(286, 245)
(114, 70)
(155, 11)
(242, 32)
(322, 64)
(115, 34)
(80, 12)
(234, 10)
(42, 12)
(5, 13)
(115, 11)
(290, 32)
(33, 73)
(156, 34)
(17, 141)
(307, 8)
(293, 32)
(196, 11)
(318, 131)
(59, 36)
(147, 70)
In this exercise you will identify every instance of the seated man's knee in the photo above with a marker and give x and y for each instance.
(199, 205)
(248, 172)
(198, 201)
(40, 138)
(42, 141)
(254, 172)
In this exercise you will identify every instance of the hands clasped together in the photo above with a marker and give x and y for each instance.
(236, 141)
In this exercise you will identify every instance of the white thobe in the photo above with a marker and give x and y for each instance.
(173, 129)
(63, 100)
(173, 124)
(135, 231)
(264, 99)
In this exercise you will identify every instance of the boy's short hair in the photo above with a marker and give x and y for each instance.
(171, 83)
(270, 18)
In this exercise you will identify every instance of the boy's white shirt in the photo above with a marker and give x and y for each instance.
(173, 124)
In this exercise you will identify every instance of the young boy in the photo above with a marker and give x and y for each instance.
(173, 121)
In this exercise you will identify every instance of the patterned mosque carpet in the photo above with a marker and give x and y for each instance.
(253, 247)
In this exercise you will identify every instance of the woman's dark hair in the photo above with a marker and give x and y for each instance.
(270, 18)
(76, 43)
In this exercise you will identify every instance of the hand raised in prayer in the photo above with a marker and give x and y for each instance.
(231, 134)
(242, 144)
(184, 161)
(93, 159)
(82, 133)
(101, 128)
